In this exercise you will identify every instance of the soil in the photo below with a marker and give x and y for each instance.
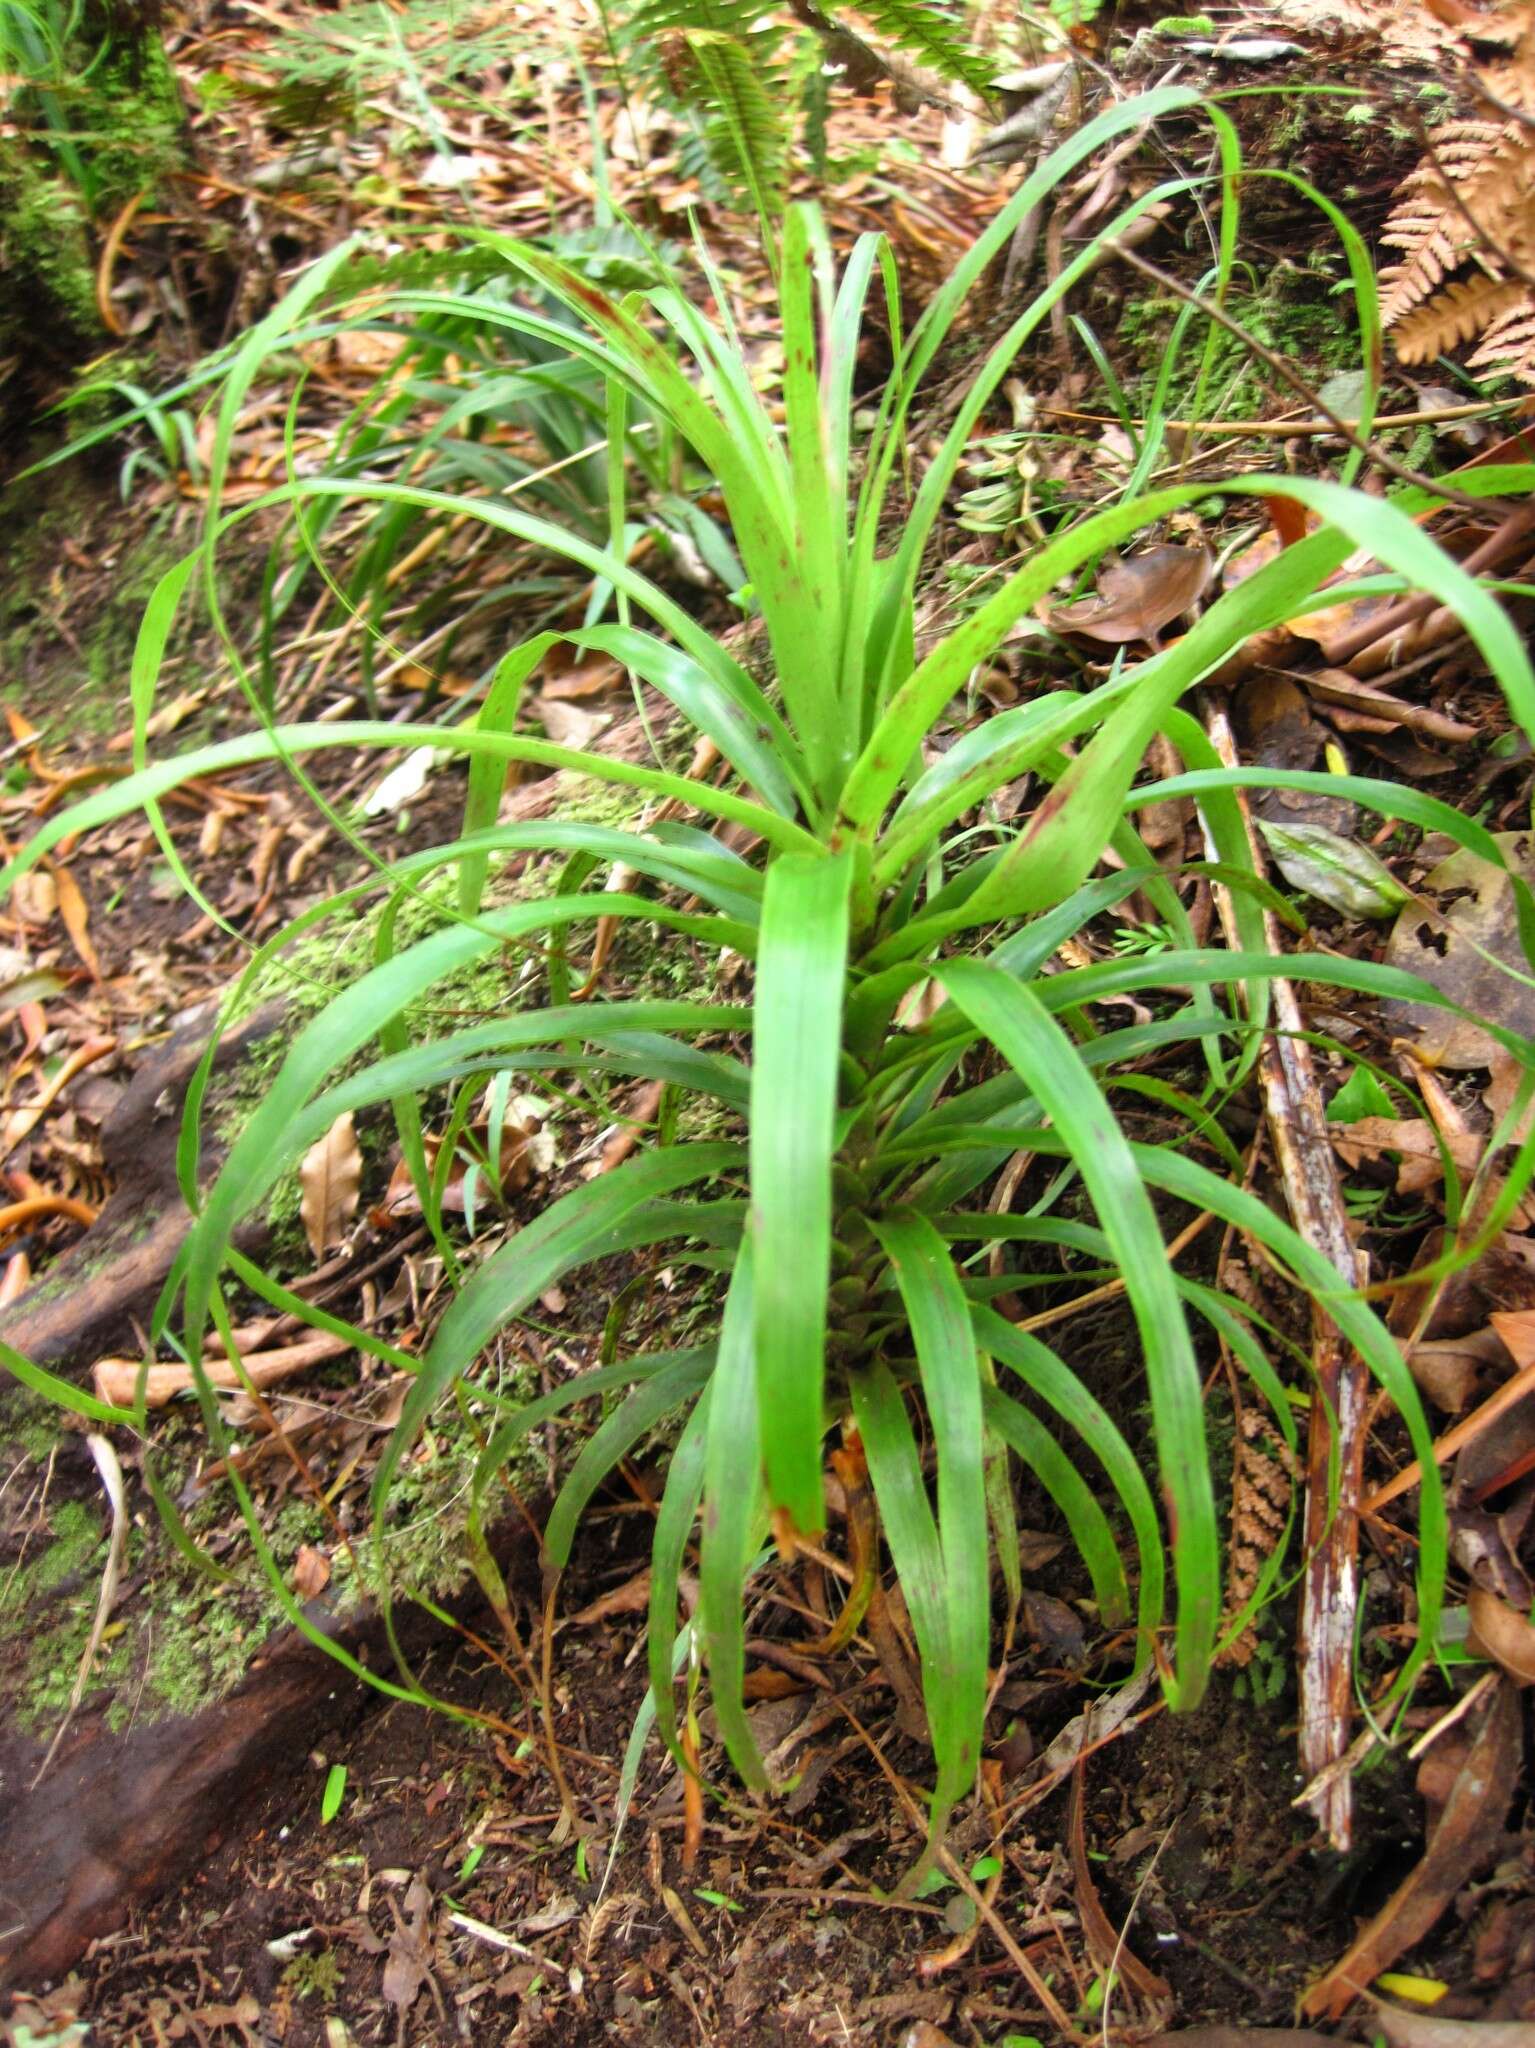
(784, 1930)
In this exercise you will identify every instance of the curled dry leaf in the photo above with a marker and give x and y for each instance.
(528, 1150)
(1138, 597)
(1462, 1841)
(402, 785)
(569, 725)
(1420, 1166)
(1503, 1634)
(331, 1178)
(311, 1572)
(76, 918)
(409, 1963)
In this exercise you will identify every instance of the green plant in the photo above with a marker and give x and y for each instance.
(74, 71)
(34, 39)
(845, 1212)
(744, 73)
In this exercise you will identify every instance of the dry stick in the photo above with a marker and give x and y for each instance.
(1308, 1167)
(1294, 430)
(1505, 540)
(117, 1379)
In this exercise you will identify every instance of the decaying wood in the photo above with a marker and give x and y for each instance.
(88, 1300)
(124, 1815)
(1308, 1167)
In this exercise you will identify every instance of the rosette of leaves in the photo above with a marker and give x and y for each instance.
(845, 1194)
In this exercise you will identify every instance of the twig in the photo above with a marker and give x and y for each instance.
(1506, 539)
(1330, 1595)
(1469, 1426)
(1293, 430)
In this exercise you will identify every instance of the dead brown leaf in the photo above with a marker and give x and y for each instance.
(1516, 1328)
(1336, 686)
(632, 1597)
(1138, 596)
(527, 1150)
(76, 917)
(311, 1572)
(408, 1965)
(1463, 950)
(35, 896)
(1241, 2037)
(593, 681)
(1503, 1634)
(331, 1177)
(568, 725)
(1449, 1372)
(1466, 1834)
(1420, 1167)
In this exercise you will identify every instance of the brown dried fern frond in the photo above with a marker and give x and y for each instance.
(1472, 202)
(1261, 1486)
(1508, 346)
(1456, 314)
(1433, 250)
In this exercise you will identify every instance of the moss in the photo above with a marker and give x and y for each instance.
(1294, 314)
(199, 1645)
(317, 1976)
(137, 120)
(102, 126)
(77, 1535)
(32, 1425)
(45, 253)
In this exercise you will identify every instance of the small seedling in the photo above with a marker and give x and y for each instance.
(335, 1792)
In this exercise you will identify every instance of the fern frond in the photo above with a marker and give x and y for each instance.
(1432, 251)
(419, 269)
(1454, 315)
(652, 19)
(932, 36)
(1508, 346)
(746, 127)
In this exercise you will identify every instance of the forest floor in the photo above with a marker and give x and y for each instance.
(380, 1873)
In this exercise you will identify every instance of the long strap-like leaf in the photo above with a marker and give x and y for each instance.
(1029, 1038)
(801, 974)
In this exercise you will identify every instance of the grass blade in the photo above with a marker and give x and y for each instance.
(1017, 1023)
